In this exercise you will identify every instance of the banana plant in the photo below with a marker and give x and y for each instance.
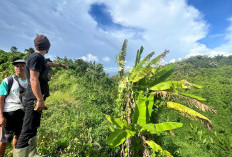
(140, 91)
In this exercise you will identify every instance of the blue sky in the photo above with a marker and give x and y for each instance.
(215, 13)
(94, 30)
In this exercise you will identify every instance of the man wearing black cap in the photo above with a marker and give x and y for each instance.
(11, 108)
(36, 93)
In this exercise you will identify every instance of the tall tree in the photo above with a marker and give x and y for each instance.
(29, 51)
(14, 49)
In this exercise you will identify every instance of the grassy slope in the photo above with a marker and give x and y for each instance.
(74, 124)
(193, 139)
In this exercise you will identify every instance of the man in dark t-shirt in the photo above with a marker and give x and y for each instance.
(34, 99)
(36, 62)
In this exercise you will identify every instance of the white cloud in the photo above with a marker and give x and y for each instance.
(224, 49)
(111, 70)
(227, 47)
(114, 70)
(106, 59)
(175, 60)
(201, 49)
(166, 24)
(89, 58)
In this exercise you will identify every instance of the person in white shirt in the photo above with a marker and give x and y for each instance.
(12, 89)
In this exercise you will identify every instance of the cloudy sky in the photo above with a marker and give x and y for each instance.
(94, 30)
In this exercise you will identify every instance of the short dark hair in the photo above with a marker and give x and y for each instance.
(42, 42)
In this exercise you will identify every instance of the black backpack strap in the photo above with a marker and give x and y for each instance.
(22, 90)
(20, 87)
(10, 83)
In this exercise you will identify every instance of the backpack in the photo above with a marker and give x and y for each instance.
(10, 83)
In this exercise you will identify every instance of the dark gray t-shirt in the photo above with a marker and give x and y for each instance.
(36, 62)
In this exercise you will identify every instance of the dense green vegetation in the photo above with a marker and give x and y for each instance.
(215, 75)
(142, 92)
(81, 95)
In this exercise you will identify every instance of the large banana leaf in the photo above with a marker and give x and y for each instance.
(195, 101)
(191, 99)
(160, 127)
(138, 55)
(143, 109)
(117, 121)
(157, 148)
(141, 63)
(160, 75)
(169, 85)
(150, 104)
(193, 96)
(140, 66)
(119, 136)
(197, 86)
(161, 72)
(139, 116)
(167, 126)
(150, 127)
(143, 71)
(189, 112)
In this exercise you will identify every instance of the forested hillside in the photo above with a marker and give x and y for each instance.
(81, 95)
(215, 75)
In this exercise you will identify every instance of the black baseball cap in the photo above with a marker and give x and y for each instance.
(19, 61)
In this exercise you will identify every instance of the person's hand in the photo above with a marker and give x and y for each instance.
(39, 105)
(2, 121)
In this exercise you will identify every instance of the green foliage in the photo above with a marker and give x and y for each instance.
(81, 96)
(74, 124)
(14, 49)
(156, 148)
(76, 111)
(139, 91)
(6, 60)
(138, 56)
(217, 91)
(28, 52)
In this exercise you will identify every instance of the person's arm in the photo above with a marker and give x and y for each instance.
(51, 64)
(2, 118)
(35, 86)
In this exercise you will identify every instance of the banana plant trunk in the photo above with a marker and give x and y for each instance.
(145, 152)
(128, 117)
